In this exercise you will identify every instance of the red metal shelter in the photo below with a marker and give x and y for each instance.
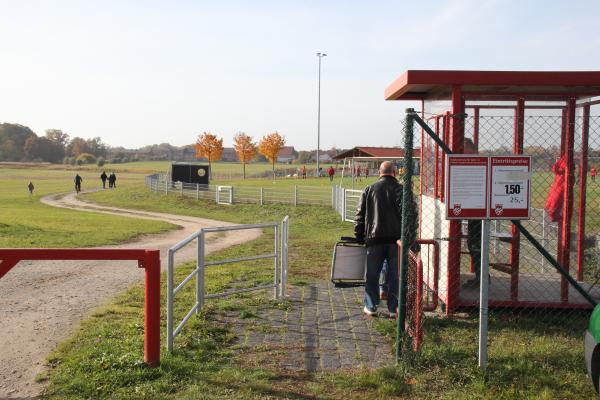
(459, 104)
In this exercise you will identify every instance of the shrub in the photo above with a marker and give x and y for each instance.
(86, 158)
(68, 160)
(100, 161)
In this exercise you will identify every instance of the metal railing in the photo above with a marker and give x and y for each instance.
(279, 254)
(296, 194)
(345, 202)
(149, 259)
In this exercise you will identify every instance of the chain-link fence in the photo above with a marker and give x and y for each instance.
(537, 317)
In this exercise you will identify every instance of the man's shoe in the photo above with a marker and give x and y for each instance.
(370, 311)
(392, 315)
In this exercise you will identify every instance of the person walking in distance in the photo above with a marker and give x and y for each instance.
(78, 180)
(378, 224)
(593, 173)
(112, 181)
(103, 177)
(304, 172)
(30, 187)
(331, 173)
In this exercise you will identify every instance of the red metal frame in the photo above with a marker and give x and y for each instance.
(583, 168)
(568, 199)
(515, 243)
(417, 331)
(147, 259)
(561, 87)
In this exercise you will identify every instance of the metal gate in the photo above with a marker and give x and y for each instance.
(351, 200)
(279, 254)
(224, 195)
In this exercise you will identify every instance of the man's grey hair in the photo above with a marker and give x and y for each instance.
(387, 168)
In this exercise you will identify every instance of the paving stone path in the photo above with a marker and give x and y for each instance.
(322, 328)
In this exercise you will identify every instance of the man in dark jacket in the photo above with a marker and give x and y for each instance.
(103, 177)
(378, 224)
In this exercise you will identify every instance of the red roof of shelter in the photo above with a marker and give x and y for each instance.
(383, 152)
(286, 151)
(437, 85)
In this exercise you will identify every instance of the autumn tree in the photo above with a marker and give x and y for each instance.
(245, 149)
(57, 136)
(270, 146)
(209, 147)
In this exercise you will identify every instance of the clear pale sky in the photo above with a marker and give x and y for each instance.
(144, 72)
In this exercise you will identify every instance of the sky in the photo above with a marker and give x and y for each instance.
(146, 72)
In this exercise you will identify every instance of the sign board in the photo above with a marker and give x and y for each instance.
(467, 186)
(510, 179)
(488, 187)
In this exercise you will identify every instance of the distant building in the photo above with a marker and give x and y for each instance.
(391, 153)
(325, 158)
(382, 152)
(286, 154)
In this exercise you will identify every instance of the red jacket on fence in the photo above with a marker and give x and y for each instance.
(555, 200)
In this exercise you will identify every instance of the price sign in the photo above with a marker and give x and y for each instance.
(510, 178)
(467, 186)
(488, 187)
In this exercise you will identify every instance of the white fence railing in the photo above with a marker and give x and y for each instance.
(296, 195)
(345, 202)
(279, 254)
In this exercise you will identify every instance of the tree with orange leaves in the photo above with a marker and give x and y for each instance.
(245, 148)
(208, 146)
(270, 146)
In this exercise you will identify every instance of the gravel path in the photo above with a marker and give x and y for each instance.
(43, 301)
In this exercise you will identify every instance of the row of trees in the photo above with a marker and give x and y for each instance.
(19, 143)
(210, 147)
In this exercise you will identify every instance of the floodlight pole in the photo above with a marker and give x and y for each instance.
(319, 55)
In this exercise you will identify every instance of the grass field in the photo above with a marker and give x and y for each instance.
(532, 355)
(25, 222)
(150, 167)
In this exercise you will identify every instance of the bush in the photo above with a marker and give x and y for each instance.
(78, 161)
(86, 158)
(68, 160)
(115, 160)
(100, 162)
(73, 161)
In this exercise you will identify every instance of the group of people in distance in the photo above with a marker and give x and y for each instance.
(331, 172)
(112, 180)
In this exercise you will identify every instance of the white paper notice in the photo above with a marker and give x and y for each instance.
(467, 186)
(510, 186)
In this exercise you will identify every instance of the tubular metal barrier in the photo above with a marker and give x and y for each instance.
(280, 265)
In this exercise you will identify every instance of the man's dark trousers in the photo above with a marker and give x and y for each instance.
(376, 253)
(474, 244)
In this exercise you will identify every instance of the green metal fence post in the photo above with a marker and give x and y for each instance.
(406, 215)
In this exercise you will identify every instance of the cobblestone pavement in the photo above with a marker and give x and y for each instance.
(321, 328)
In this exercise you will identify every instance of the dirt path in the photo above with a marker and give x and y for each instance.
(42, 302)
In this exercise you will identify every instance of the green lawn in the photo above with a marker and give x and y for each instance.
(533, 354)
(25, 222)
